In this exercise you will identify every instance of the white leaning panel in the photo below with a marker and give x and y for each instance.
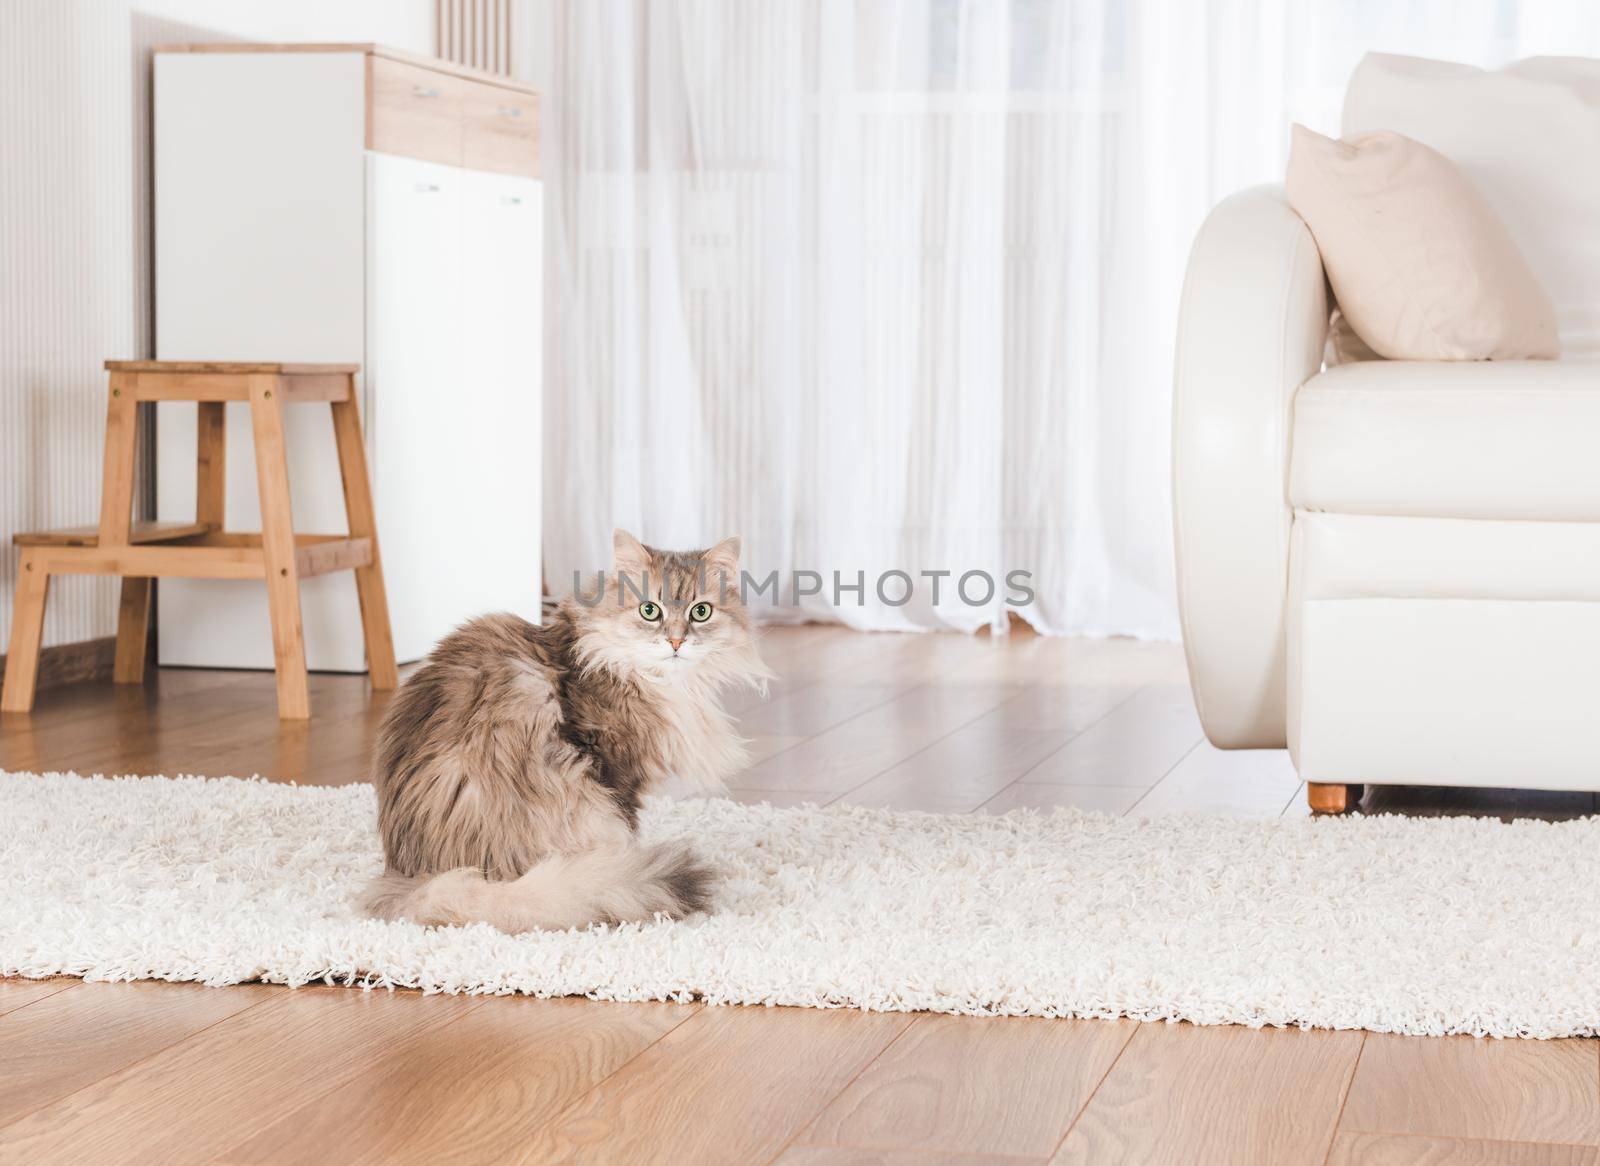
(414, 288)
(259, 256)
(502, 333)
(454, 348)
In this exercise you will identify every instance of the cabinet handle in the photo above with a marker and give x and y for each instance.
(508, 111)
(427, 188)
(424, 91)
(511, 200)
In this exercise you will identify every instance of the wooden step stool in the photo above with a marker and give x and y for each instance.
(202, 549)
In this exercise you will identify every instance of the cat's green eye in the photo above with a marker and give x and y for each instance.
(700, 612)
(650, 611)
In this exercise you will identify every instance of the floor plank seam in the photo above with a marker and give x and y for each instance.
(577, 1102)
(873, 1147)
(919, 752)
(803, 738)
(757, 699)
(355, 1070)
(1169, 771)
(856, 1076)
(1089, 1100)
(1134, 691)
(134, 1064)
(67, 987)
(1022, 778)
(1344, 1100)
(1293, 795)
(1414, 1135)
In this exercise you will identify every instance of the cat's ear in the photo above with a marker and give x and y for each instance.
(724, 557)
(629, 555)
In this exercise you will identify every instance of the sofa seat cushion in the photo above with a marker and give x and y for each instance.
(1513, 440)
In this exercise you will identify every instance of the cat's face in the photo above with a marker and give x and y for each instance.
(673, 613)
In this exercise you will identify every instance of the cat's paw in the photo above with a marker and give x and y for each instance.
(450, 897)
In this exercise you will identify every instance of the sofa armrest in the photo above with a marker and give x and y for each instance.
(1251, 330)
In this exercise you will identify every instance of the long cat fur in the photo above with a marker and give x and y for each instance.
(510, 767)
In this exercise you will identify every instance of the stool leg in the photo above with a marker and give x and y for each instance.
(133, 630)
(363, 524)
(211, 468)
(27, 631)
(116, 483)
(277, 544)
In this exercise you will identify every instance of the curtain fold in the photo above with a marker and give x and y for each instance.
(891, 285)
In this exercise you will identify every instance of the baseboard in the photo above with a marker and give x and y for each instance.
(70, 663)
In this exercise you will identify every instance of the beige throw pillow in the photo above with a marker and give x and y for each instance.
(1421, 267)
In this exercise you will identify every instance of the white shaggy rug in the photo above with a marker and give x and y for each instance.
(1391, 924)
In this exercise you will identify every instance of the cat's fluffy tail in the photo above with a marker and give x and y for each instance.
(616, 885)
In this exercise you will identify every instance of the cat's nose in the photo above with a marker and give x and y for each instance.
(676, 641)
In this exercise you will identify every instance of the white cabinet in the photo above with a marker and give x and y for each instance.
(281, 234)
(500, 299)
(467, 474)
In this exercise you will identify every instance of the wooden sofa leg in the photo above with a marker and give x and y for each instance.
(1331, 797)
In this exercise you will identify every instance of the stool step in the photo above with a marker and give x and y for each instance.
(202, 554)
(314, 554)
(330, 554)
(89, 536)
(230, 367)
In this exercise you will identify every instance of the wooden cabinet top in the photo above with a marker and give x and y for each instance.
(450, 68)
(438, 111)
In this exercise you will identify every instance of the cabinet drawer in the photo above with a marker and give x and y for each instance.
(413, 112)
(500, 130)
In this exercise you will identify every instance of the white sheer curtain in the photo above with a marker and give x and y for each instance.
(891, 284)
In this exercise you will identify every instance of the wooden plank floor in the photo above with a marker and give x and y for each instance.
(181, 1073)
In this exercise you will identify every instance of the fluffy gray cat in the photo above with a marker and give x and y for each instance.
(510, 767)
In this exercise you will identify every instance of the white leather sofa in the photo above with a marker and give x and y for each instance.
(1393, 568)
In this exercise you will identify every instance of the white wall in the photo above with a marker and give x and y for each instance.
(75, 246)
